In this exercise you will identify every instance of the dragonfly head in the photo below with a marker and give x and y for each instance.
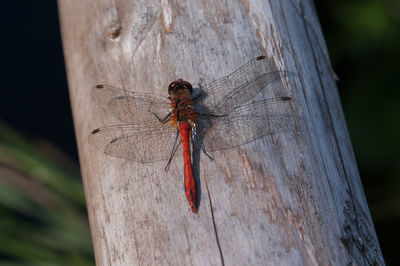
(180, 87)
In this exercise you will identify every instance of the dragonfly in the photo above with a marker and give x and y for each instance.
(229, 112)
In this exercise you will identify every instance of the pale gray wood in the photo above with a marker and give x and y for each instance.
(287, 199)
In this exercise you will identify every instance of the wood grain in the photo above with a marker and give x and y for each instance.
(286, 199)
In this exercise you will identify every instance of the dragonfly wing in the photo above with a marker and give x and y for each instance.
(247, 91)
(247, 123)
(232, 131)
(131, 142)
(131, 107)
(276, 105)
(227, 93)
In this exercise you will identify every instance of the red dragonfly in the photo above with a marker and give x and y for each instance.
(231, 111)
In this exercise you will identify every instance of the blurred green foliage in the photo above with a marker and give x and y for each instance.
(42, 206)
(363, 38)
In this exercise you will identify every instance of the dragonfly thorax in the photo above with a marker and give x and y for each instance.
(182, 110)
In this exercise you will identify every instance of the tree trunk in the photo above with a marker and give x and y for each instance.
(286, 199)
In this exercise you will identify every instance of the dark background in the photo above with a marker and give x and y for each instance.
(363, 39)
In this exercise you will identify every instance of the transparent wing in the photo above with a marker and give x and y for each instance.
(144, 143)
(131, 107)
(246, 124)
(231, 132)
(225, 94)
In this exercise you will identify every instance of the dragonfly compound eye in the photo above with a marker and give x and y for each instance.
(180, 86)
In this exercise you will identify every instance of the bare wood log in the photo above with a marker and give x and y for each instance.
(285, 199)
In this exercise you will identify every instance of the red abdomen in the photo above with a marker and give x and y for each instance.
(185, 130)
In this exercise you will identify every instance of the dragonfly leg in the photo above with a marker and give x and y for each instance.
(205, 152)
(201, 147)
(162, 120)
(200, 83)
(200, 88)
(199, 96)
(211, 115)
(174, 149)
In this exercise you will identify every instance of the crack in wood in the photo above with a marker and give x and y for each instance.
(308, 25)
(188, 243)
(215, 226)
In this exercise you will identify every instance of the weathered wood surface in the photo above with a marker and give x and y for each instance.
(287, 199)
